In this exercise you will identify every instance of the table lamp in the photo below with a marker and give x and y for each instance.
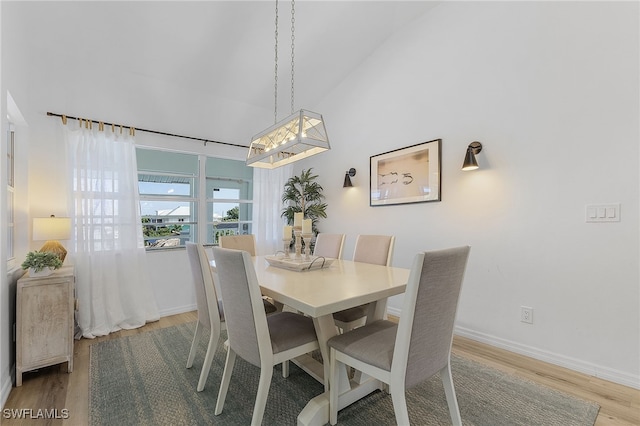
(52, 229)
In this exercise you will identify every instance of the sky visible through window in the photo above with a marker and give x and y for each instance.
(150, 208)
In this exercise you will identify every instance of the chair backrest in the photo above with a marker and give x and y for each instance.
(246, 242)
(329, 245)
(376, 249)
(425, 328)
(245, 318)
(206, 297)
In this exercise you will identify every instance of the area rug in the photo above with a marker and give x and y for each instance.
(142, 380)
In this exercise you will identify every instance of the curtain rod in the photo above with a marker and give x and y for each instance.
(65, 117)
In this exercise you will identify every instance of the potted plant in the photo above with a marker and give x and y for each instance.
(303, 194)
(41, 263)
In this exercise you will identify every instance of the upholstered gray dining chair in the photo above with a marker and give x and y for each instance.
(419, 346)
(210, 312)
(246, 242)
(329, 245)
(375, 249)
(260, 339)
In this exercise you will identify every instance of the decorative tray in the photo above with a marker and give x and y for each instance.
(299, 265)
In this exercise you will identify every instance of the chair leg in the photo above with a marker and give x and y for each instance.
(214, 337)
(285, 369)
(226, 378)
(261, 396)
(450, 392)
(333, 388)
(399, 405)
(194, 343)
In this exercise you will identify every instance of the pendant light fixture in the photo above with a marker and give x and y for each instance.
(300, 135)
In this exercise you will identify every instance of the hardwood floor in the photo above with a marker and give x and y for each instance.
(52, 388)
(619, 405)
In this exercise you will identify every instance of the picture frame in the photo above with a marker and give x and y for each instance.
(406, 175)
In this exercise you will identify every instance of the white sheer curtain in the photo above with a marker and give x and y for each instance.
(112, 282)
(268, 186)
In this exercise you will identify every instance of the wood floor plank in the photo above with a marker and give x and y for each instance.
(52, 388)
(615, 400)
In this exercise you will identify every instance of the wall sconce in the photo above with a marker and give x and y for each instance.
(52, 229)
(470, 162)
(347, 177)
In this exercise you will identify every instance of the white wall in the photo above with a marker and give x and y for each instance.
(10, 103)
(551, 90)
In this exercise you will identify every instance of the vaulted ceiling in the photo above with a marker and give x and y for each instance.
(222, 47)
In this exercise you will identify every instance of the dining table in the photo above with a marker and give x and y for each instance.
(319, 293)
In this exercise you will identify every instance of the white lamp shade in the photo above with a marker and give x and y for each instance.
(51, 228)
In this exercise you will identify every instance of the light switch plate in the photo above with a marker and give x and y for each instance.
(602, 213)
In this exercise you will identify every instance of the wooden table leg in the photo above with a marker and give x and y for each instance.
(316, 412)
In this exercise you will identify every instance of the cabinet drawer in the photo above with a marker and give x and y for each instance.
(45, 321)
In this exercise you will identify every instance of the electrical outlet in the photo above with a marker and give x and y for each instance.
(526, 314)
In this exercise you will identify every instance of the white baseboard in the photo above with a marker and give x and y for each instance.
(394, 311)
(6, 386)
(574, 364)
(178, 310)
(610, 374)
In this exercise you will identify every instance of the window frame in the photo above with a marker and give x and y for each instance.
(200, 200)
(190, 199)
(240, 228)
(11, 198)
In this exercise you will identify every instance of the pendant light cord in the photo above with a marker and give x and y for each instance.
(275, 88)
(293, 39)
(293, 45)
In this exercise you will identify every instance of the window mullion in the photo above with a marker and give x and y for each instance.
(202, 196)
(179, 198)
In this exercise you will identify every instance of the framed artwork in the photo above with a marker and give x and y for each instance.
(406, 175)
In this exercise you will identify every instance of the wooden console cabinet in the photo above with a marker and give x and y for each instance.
(44, 321)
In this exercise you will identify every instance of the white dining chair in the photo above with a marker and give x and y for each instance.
(329, 245)
(260, 339)
(210, 311)
(419, 346)
(374, 249)
(246, 242)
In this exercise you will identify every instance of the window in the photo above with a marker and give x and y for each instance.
(229, 188)
(167, 184)
(10, 193)
(171, 201)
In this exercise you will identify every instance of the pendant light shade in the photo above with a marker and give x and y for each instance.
(298, 136)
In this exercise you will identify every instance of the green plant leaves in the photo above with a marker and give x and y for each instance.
(38, 260)
(303, 194)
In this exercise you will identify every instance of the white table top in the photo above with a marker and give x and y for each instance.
(342, 285)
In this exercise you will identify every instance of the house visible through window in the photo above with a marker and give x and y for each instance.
(173, 208)
(229, 189)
